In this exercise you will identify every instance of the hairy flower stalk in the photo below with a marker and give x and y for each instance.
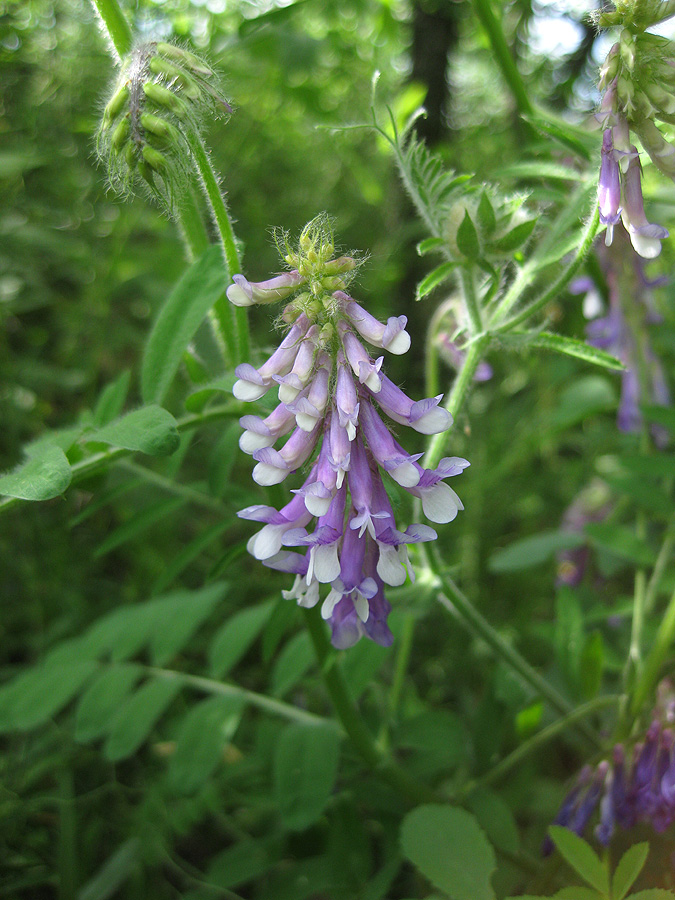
(339, 530)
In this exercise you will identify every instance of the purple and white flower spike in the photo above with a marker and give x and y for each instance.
(329, 388)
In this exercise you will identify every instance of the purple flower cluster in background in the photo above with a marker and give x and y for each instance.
(331, 396)
(632, 787)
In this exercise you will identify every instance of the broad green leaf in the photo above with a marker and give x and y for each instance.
(45, 475)
(496, 819)
(531, 551)
(646, 494)
(620, 541)
(657, 466)
(233, 639)
(579, 349)
(585, 397)
(150, 430)
(179, 615)
(450, 849)
(434, 278)
(64, 438)
(101, 700)
(40, 693)
(178, 320)
(138, 716)
(114, 872)
(203, 734)
(629, 867)
(304, 772)
(515, 238)
(362, 664)
(581, 857)
(292, 663)
(435, 741)
(467, 238)
(111, 402)
(577, 893)
(238, 864)
(140, 523)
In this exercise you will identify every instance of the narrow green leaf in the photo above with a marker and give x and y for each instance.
(434, 278)
(450, 849)
(534, 550)
(178, 616)
(150, 430)
(188, 554)
(581, 857)
(629, 867)
(653, 894)
(292, 663)
(304, 772)
(199, 397)
(561, 132)
(43, 476)
(515, 238)
(233, 639)
(546, 340)
(591, 665)
(487, 221)
(111, 402)
(221, 462)
(117, 869)
(238, 864)
(568, 634)
(660, 415)
(40, 693)
(204, 732)
(656, 466)
(138, 524)
(541, 169)
(467, 238)
(496, 819)
(178, 320)
(428, 245)
(101, 700)
(577, 893)
(136, 719)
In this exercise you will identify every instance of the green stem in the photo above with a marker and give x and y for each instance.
(538, 740)
(454, 402)
(116, 25)
(192, 225)
(651, 669)
(502, 54)
(401, 664)
(470, 299)
(351, 720)
(230, 318)
(512, 296)
(462, 606)
(199, 498)
(209, 686)
(659, 568)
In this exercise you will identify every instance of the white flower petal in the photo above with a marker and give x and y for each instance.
(440, 503)
(264, 474)
(406, 475)
(247, 391)
(389, 566)
(326, 563)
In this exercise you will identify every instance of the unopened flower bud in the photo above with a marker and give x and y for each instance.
(627, 49)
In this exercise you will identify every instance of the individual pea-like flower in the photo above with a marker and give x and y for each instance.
(162, 97)
(338, 535)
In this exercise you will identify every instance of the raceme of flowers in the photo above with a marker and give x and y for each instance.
(629, 788)
(638, 78)
(332, 394)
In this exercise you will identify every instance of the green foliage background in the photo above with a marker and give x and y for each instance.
(206, 806)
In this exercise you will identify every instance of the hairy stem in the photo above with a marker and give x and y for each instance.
(470, 299)
(116, 25)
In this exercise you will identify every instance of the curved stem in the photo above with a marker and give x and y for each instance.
(351, 720)
(502, 54)
(116, 25)
(462, 606)
(228, 316)
(511, 297)
(454, 402)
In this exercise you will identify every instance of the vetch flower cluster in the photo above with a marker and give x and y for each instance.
(631, 787)
(331, 396)
(638, 78)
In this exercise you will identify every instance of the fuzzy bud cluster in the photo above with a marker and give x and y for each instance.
(162, 96)
(332, 398)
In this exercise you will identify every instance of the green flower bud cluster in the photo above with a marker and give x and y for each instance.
(638, 77)
(161, 98)
(636, 15)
